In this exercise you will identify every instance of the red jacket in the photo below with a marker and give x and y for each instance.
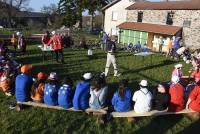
(195, 99)
(177, 102)
(56, 42)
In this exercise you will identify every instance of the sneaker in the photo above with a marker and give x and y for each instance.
(117, 75)
(8, 94)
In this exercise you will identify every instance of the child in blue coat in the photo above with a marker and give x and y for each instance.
(121, 100)
(82, 93)
(51, 90)
(65, 94)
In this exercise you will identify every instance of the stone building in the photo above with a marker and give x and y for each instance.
(147, 21)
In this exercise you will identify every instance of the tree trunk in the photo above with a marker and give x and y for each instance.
(92, 21)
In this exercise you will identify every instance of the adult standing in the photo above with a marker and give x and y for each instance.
(111, 59)
(14, 41)
(57, 46)
(161, 42)
(104, 40)
(46, 38)
(21, 42)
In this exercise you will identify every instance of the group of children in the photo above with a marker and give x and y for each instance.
(93, 91)
(8, 71)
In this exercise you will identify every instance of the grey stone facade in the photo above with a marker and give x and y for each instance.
(191, 31)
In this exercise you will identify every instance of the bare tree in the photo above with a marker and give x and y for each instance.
(51, 9)
(12, 7)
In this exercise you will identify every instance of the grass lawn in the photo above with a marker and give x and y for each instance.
(37, 120)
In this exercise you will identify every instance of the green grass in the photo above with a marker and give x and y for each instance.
(37, 120)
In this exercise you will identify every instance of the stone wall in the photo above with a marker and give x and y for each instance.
(191, 35)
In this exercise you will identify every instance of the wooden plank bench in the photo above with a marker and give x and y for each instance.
(42, 105)
(151, 113)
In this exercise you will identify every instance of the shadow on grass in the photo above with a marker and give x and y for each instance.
(160, 124)
(150, 77)
(192, 129)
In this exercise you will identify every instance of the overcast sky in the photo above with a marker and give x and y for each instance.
(37, 4)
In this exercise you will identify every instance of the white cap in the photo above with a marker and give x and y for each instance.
(144, 83)
(18, 33)
(178, 66)
(175, 79)
(87, 76)
(53, 76)
(53, 32)
(187, 62)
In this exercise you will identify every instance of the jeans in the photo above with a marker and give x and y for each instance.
(59, 53)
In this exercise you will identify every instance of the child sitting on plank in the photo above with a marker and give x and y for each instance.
(176, 92)
(23, 84)
(142, 98)
(121, 100)
(98, 92)
(161, 97)
(193, 102)
(51, 90)
(65, 94)
(82, 93)
(37, 92)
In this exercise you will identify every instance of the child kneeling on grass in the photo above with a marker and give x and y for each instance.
(65, 94)
(37, 92)
(142, 98)
(51, 90)
(98, 92)
(82, 93)
(121, 100)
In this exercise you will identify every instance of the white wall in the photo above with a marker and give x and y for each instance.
(119, 8)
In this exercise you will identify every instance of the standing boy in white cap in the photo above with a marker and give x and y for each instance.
(111, 59)
(57, 46)
(142, 98)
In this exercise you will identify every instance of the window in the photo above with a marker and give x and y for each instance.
(114, 16)
(140, 16)
(113, 31)
(186, 23)
(170, 16)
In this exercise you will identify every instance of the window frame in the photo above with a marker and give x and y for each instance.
(114, 16)
(140, 16)
(170, 17)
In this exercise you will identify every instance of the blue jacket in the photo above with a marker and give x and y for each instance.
(65, 96)
(23, 85)
(122, 105)
(81, 96)
(51, 94)
(176, 43)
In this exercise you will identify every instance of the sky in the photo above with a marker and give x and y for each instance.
(38, 4)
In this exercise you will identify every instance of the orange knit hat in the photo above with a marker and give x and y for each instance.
(26, 68)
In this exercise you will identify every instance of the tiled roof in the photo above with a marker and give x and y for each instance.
(110, 4)
(154, 28)
(170, 5)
